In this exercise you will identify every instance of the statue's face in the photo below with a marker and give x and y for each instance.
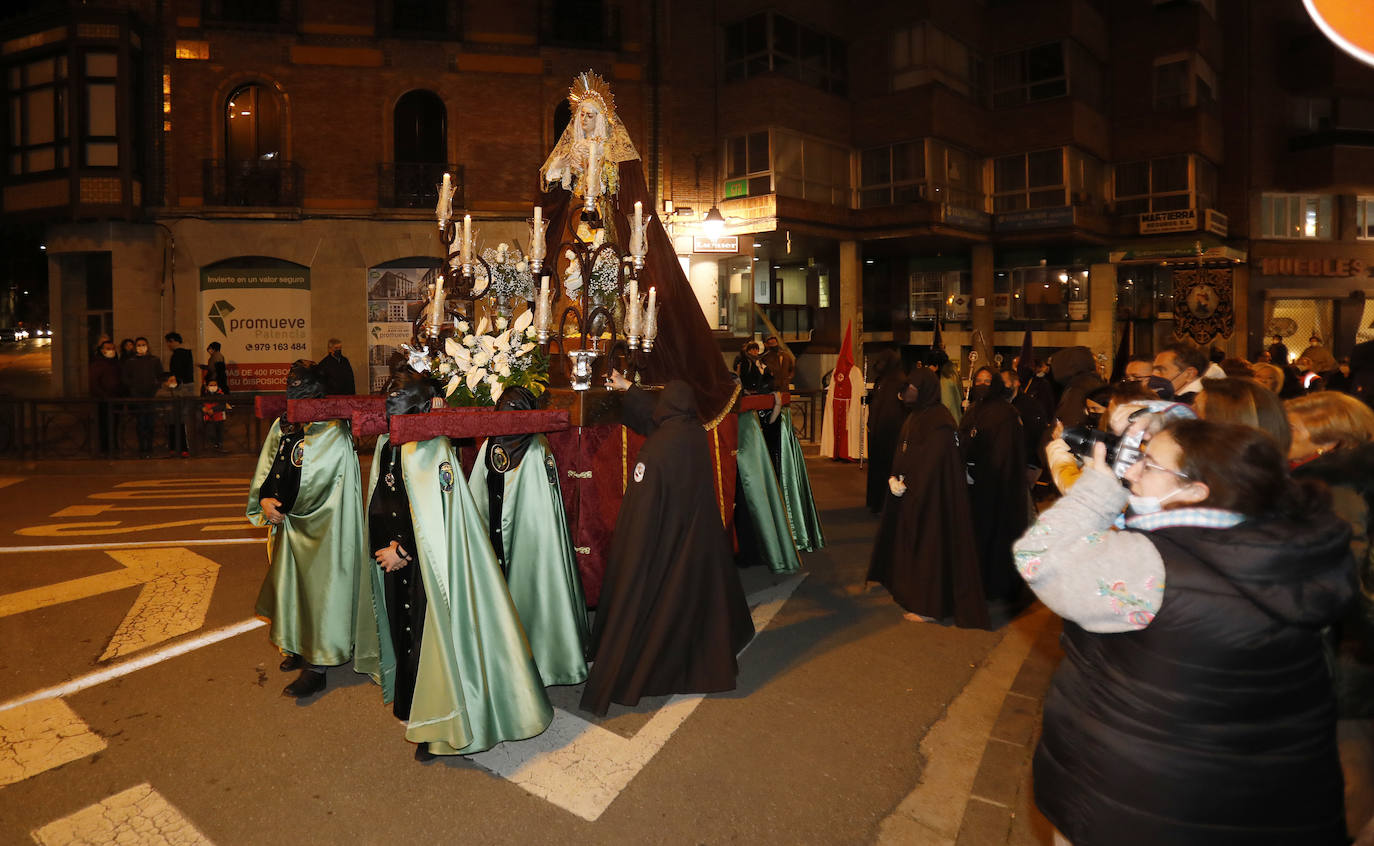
(586, 117)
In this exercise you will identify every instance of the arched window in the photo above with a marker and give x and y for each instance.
(420, 131)
(562, 116)
(253, 172)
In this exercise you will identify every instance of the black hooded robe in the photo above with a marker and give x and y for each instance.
(885, 417)
(994, 448)
(672, 615)
(924, 552)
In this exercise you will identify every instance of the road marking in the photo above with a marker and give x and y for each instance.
(6, 481)
(139, 816)
(172, 603)
(139, 569)
(112, 527)
(124, 668)
(39, 736)
(582, 767)
(76, 547)
(96, 510)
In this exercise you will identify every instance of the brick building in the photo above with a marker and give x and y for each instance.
(1062, 165)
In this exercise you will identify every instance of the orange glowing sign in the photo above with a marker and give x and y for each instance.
(1348, 23)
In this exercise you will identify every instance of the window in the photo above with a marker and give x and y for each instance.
(1183, 81)
(747, 168)
(892, 175)
(1029, 181)
(770, 42)
(38, 115)
(1167, 183)
(1049, 293)
(1025, 76)
(956, 177)
(243, 12)
(923, 53)
(1087, 179)
(252, 126)
(419, 16)
(930, 293)
(420, 135)
(1364, 218)
(810, 169)
(100, 144)
(195, 50)
(1295, 216)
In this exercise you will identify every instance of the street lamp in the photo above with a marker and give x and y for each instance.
(714, 222)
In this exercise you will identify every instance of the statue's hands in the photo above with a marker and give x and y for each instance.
(618, 382)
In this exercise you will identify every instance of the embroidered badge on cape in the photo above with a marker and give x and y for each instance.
(500, 459)
(445, 477)
(298, 453)
(639, 472)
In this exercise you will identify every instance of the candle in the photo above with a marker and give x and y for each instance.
(467, 239)
(543, 314)
(632, 309)
(593, 186)
(653, 298)
(436, 315)
(538, 216)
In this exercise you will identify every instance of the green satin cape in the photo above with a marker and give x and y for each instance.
(318, 550)
(763, 497)
(477, 684)
(541, 569)
(796, 493)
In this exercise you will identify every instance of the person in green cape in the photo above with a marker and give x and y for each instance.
(307, 489)
(436, 625)
(514, 484)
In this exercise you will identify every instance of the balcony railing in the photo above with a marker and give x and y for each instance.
(253, 183)
(407, 185)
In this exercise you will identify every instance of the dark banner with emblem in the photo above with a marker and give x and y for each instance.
(1204, 304)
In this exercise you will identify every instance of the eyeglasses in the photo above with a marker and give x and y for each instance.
(1151, 465)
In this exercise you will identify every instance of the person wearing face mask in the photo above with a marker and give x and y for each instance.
(105, 384)
(1194, 704)
(924, 551)
(141, 376)
(436, 626)
(993, 444)
(672, 615)
(307, 490)
(514, 484)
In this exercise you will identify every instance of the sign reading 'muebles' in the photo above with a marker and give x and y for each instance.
(260, 315)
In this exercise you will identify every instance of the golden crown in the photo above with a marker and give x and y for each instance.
(589, 85)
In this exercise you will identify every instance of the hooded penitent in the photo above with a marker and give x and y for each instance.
(672, 614)
(994, 448)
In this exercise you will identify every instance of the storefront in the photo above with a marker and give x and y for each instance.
(1304, 292)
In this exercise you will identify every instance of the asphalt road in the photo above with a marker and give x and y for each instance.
(26, 367)
(819, 744)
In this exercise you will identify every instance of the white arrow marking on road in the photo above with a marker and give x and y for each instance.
(139, 816)
(39, 736)
(177, 586)
(112, 527)
(582, 767)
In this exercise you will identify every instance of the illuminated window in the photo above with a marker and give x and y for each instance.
(1296, 216)
(193, 50)
(1364, 218)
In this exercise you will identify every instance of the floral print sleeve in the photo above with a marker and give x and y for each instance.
(1082, 569)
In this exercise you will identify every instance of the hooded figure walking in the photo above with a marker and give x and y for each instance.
(672, 615)
(925, 553)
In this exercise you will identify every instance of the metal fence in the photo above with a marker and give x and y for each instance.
(47, 428)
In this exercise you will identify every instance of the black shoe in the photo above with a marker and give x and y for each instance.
(291, 663)
(307, 683)
(422, 753)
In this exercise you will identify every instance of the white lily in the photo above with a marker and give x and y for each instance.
(475, 377)
(452, 347)
(482, 327)
(496, 390)
(524, 320)
(453, 384)
(526, 349)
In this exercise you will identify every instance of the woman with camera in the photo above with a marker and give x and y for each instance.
(1193, 705)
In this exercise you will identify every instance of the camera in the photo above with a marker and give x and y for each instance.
(1122, 452)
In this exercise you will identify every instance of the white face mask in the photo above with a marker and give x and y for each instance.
(108, 353)
(141, 350)
(1151, 504)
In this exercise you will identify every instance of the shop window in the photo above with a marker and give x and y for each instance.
(769, 42)
(735, 296)
(1054, 294)
(1183, 81)
(1296, 216)
(1029, 181)
(1026, 76)
(923, 53)
(933, 293)
(38, 132)
(1364, 218)
(1167, 183)
(748, 171)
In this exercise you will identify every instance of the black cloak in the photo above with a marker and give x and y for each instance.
(672, 614)
(885, 416)
(994, 449)
(1075, 371)
(924, 552)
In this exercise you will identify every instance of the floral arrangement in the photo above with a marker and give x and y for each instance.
(511, 278)
(605, 283)
(480, 365)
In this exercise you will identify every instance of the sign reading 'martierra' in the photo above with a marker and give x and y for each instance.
(261, 317)
(1340, 267)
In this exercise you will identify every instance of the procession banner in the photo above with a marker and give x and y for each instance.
(261, 318)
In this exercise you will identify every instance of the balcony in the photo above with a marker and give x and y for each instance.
(580, 24)
(409, 185)
(271, 183)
